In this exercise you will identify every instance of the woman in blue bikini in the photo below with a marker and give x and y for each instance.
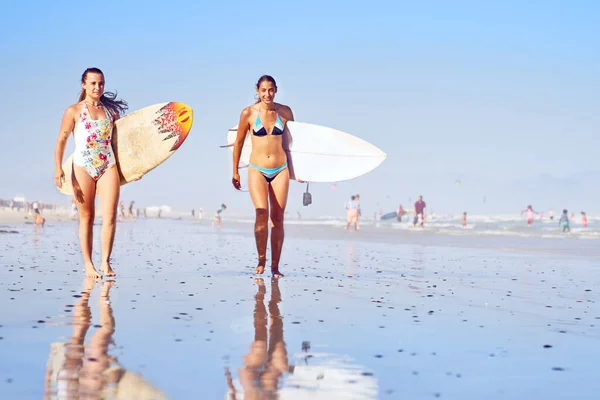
(268, 175)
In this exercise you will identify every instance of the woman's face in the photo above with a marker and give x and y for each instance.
(94, 85)
(266, 92)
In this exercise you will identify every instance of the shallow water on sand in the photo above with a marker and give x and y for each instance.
(353, 318)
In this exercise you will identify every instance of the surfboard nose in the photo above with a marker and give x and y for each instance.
(184, 117)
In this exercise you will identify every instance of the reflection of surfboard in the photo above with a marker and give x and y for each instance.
(320, 154)
(143, 140)
(390, 215)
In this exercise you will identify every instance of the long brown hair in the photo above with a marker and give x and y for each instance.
(264, 78)
(117, 107)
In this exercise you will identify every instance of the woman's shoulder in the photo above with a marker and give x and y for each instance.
(282, 107)
(74, 110)
(77, 107)
(284, 110)
(248, 111)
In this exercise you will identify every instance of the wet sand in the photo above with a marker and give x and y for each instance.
(356, 317)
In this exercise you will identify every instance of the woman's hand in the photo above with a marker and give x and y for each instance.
(59, 177)
(236, 181)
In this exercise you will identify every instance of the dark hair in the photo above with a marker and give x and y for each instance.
(117, 107)
(265, 78)
(565, 211)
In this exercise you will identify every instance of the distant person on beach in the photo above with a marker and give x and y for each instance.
(217, 220)
(420, 210)
(37, 215)
(268, 174)
(463, 223)
(121, 212)
(529, 211)
(551, 214)
(36, 208)
(352, 213)
(91, 120)
(583, 219)
(564, 221)
(130, 211)
(400, 213)
(39, 220)
(73, 209)
(357, 198)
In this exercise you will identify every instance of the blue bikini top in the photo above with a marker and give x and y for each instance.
(259, 129)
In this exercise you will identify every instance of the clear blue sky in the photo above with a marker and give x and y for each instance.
(494, 93)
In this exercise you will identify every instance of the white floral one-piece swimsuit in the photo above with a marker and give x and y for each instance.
(93, 149)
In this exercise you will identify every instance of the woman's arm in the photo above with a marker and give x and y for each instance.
(238, 144)
(66, 128)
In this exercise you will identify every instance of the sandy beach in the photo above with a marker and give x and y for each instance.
(361, 315)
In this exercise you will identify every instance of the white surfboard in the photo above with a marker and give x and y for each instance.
(320, 154)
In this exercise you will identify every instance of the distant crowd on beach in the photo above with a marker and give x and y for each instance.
(564, 220)
(419, 214)
(353, 213)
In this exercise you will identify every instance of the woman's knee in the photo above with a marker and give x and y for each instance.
(86, 216)
(110, 218)
(262, 217)
(276, 217)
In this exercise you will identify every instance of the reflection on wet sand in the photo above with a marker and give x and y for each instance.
(267, 359)
(268, 374)
(76, 370)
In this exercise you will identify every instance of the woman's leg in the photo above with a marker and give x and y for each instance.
(85, 195)
(109, 188)
(259, 191)
(278, 194)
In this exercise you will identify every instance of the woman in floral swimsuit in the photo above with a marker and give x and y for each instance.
(91, 121)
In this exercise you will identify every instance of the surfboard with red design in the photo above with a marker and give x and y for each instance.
(143, 140)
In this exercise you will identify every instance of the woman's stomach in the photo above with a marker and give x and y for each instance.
(267, 153)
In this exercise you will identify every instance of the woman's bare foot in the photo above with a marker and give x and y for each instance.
(260, 269)
(107, 270)
(91, 272)
(275, 272)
